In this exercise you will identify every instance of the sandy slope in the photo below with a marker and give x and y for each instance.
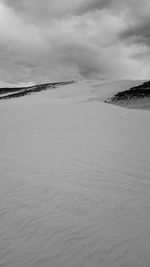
(136, 97)
(75, 180)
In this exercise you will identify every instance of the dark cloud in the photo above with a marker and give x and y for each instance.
(45, 40)
(139, 33)
(53, 8)
(94, 5)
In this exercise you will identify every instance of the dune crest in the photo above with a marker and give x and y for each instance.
(137, 97)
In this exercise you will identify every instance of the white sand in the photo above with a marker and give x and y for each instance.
(75, 180)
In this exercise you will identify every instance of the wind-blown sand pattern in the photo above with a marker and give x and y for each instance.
(75, 179)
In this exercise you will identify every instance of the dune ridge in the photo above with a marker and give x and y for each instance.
(13, 92)
(135, 97)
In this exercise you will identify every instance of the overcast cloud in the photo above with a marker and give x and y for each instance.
(47, 40)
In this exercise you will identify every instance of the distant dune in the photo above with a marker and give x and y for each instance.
(135, 97)
(13, 92)
(125, 93)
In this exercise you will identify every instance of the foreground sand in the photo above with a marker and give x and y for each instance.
(75, 183)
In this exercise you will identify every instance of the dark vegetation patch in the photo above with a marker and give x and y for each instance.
(132, 94)
(22, 91)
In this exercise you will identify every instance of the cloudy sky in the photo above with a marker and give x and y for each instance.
(47, 40)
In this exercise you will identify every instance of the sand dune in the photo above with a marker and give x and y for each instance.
(14, 92)
(137, 97)
(75, 185)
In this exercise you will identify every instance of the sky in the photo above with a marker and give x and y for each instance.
(52, 40)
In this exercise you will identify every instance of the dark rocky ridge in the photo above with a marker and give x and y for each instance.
(7, 93)
(131, 95)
